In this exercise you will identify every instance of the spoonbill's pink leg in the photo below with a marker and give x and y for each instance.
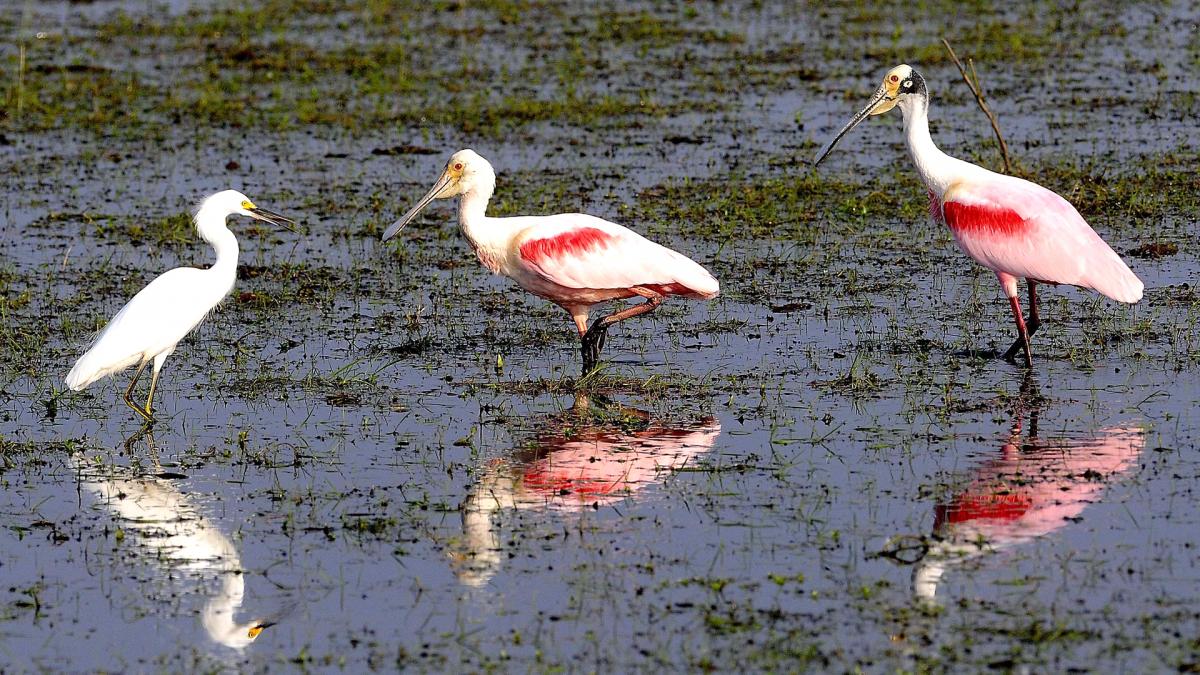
(1022, 341)
(1031, 327)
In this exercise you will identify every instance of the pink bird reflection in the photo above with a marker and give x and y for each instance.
(570, 468)
(1032, 488)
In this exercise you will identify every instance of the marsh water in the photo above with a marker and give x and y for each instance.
(381, 456)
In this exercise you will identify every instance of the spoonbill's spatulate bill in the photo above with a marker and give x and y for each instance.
(1011, 226)
(149, 326)
(573, 260)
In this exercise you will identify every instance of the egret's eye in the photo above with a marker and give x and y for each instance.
(458, 166)
(247, 205)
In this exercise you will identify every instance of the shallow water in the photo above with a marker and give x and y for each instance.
(824, 468)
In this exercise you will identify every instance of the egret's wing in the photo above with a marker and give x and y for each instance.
(159, 316)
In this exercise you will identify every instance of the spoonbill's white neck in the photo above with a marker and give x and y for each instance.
(926, 576)
(937, 169)
(472, 210)
(210, 223)
(472, 205)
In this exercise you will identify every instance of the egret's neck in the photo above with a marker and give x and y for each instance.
(212, 228)
(933, 164)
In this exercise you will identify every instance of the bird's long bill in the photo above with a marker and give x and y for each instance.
(440, 185)
(879, 104)
(256, 630)
(274, 218)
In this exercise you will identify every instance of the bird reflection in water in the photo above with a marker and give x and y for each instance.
(579, 462)
(171, 531)
(1033, 487)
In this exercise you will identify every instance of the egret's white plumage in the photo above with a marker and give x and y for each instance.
(151, 324)
(572, 259)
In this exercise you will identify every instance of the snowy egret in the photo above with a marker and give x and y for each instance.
(573, 260)
(150, 325)
(1011, 226)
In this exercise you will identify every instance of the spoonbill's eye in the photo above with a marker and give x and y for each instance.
(895, 78)
(458, 166)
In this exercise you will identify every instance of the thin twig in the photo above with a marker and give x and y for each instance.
(20, 80)
(978, 91)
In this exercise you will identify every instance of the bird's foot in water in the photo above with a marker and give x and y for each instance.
(1018, 347)
(591, 345)
(147, 417)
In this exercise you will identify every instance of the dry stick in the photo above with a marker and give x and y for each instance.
(975, 89)
(20, 80)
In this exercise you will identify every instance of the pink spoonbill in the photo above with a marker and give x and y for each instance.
(571, 259)
(1011, 226)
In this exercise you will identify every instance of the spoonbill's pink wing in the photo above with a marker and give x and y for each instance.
(585, 252)
(1019, 228)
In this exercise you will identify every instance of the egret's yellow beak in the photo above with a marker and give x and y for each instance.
(256, 630)
(269, 216)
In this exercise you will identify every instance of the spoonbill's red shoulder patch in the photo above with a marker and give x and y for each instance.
(564, 245)
(1000, 505)
(983, 219)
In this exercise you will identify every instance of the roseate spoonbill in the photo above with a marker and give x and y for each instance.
(571, 259)
(1033, 488)
(150, 325)
(575, 465)
(1011, 226)
(173, 532)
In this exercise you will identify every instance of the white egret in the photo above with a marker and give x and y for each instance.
(150, 326)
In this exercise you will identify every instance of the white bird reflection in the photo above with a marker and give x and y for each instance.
(576, 464)
(1032, 488)
(171, 531)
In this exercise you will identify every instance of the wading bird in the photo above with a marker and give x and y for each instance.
(149, 326)
(1011, 226)
(571, 259)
